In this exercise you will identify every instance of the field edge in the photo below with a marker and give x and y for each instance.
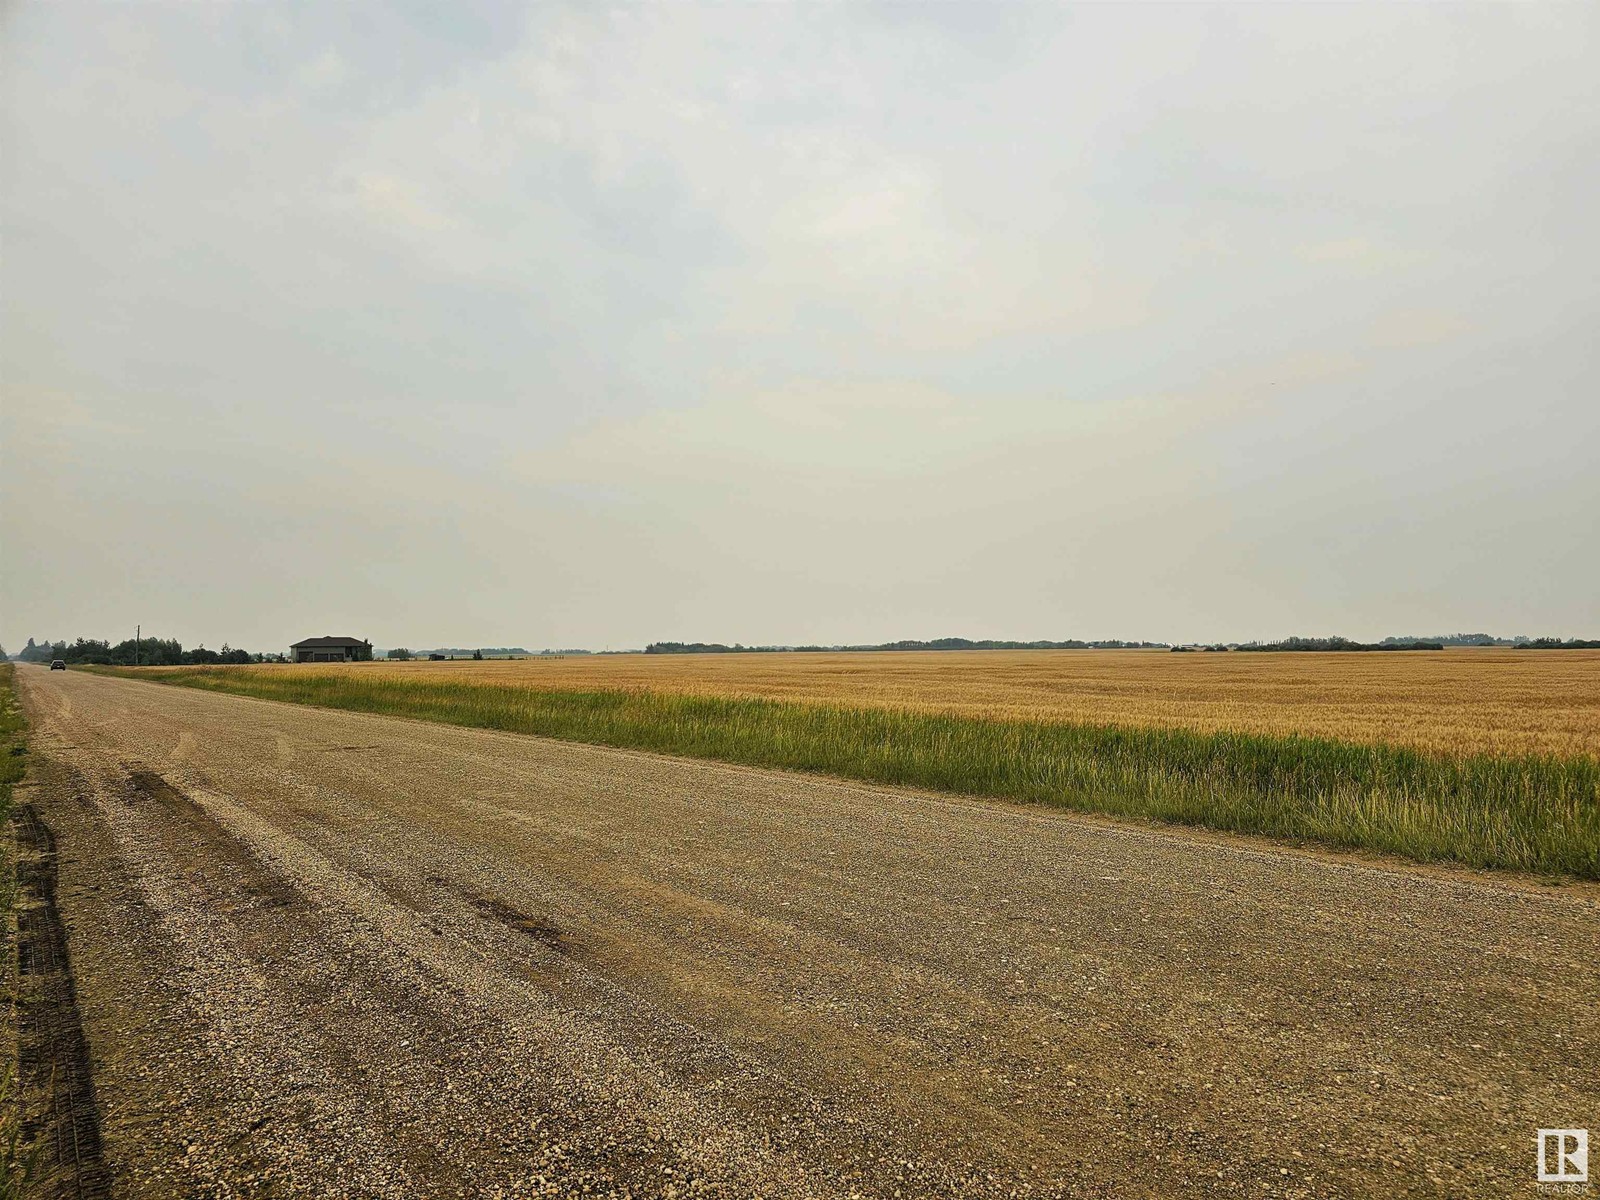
(1528, 813)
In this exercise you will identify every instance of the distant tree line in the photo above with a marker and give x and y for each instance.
(909, 644)
(149, 652)
(1339, 643)
(403, 654)
(1455, 639)
(1415, 643)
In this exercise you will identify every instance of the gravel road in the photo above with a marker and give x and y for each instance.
(328, 954)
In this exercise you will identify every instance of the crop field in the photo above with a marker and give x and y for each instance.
(1340, 750)
(1457, 701)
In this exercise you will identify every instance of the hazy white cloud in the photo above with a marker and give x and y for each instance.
(583, 325)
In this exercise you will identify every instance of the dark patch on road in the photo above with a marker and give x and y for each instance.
(541, 929)
(538, 928)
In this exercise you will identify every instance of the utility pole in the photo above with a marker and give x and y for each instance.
(137, 630)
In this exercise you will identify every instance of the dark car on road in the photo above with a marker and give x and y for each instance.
(58, 665)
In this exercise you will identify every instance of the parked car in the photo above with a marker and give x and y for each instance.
(58, 665)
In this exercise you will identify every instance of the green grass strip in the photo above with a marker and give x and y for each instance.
(15, 1162)
(12, 727)
(1527, 812)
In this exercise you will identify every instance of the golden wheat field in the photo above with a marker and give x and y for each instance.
(1467, 700)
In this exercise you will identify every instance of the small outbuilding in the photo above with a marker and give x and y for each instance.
(331, 649)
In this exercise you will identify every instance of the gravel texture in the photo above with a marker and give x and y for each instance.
(327, 954)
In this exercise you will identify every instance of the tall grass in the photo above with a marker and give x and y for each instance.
(12, 749)
(15, 1160)
(1534, 813)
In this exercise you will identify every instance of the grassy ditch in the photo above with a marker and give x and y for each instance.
(1531, 813)
(13, 765)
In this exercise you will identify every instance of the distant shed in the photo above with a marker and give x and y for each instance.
(331, 649)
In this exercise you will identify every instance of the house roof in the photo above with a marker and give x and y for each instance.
(328, 643)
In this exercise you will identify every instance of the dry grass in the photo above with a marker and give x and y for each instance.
(1457, 701)
(15, 1161)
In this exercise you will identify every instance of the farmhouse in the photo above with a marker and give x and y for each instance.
(331, 649)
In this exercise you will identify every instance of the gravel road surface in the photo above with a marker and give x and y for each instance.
(327, 954)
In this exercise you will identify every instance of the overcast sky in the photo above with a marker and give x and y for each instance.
(564, 326)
